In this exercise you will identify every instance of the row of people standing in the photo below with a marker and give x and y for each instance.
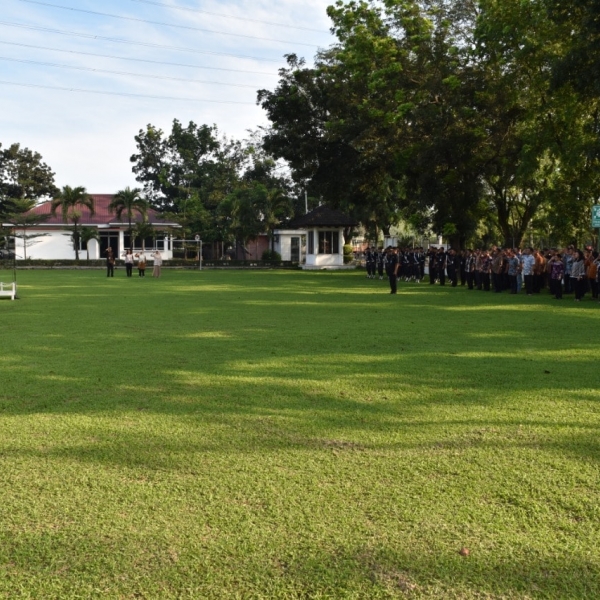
(411, 263)
(565, 271)
(129, 258)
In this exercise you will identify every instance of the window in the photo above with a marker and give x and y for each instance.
(311, 242)
(329, 242)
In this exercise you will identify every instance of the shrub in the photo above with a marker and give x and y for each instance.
(271, 255)
(348, 254)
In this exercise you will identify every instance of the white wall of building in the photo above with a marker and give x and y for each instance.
(321, 261)
(50, 245)
(283, 243)
(56, 244)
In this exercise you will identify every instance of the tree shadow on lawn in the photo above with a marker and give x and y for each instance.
(431, 359)
(416, 572)
(69, 562)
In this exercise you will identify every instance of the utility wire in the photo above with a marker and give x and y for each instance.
(131, 43)
(206, 12)
(61, 66)
(189, 28)
(144, 60)
(69, 89)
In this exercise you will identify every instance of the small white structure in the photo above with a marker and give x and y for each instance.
(291, 244)
(323, 230)
(51, 238)
(8, 290)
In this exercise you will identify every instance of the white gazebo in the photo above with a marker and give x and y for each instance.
(324, 231)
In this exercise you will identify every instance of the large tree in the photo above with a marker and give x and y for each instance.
(386, 119)
(187, 173)
(23, 175)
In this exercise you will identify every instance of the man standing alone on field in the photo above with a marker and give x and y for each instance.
(392, 268)
(110, 262)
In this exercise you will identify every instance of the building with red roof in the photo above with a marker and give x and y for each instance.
(51, 238)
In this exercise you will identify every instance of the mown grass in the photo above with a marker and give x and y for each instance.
(295, 435)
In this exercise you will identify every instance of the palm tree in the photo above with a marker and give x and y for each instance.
(87, 235)
(143, 230)
(69, 200)
(129, 201)
(277, 207)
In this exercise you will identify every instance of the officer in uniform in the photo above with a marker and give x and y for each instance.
(450, 267)
(369, 261)
(392, 267)
(441, 265)
(432, 258)
(380, 263)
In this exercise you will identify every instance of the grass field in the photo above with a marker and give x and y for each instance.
(295, 435)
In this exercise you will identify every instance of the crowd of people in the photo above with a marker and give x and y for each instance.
(130, 259)
(561, 271)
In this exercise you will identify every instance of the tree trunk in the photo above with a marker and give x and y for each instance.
(76, 240)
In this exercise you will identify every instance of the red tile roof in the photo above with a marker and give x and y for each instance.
(102, 215)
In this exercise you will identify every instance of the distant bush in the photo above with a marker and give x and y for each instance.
(348, 254)
(271, 255)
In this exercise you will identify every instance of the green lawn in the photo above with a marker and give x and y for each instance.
(295, 435)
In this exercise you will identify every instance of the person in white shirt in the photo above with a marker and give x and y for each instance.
(129, 262)
(527, 266)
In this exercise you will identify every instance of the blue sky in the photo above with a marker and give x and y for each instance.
(88, 138)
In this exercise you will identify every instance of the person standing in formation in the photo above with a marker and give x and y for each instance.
(557, 270)
(432, 259)
(369, 262)
(578, 275)
(129, 262)
(157, 256)
(141, 263)
(441, 265)
(512, 271)
(110, 262)
(528, 264)
(381, 263)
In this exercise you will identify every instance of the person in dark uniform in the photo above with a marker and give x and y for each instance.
(463, 268)
(110, 262)
(404, 264)
(421, 261)
(470, 268)
(369, 262)
(441, 265)
(380, 263)
(392, 267)
(451, 267)
(432, 260)
(375, 259)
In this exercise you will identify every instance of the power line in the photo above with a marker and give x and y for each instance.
(131, 43)
(189, 28)
(206, 12)
(69, 89)
(91, 69)
(144, 60)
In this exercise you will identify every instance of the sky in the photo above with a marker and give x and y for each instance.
(88, 138)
